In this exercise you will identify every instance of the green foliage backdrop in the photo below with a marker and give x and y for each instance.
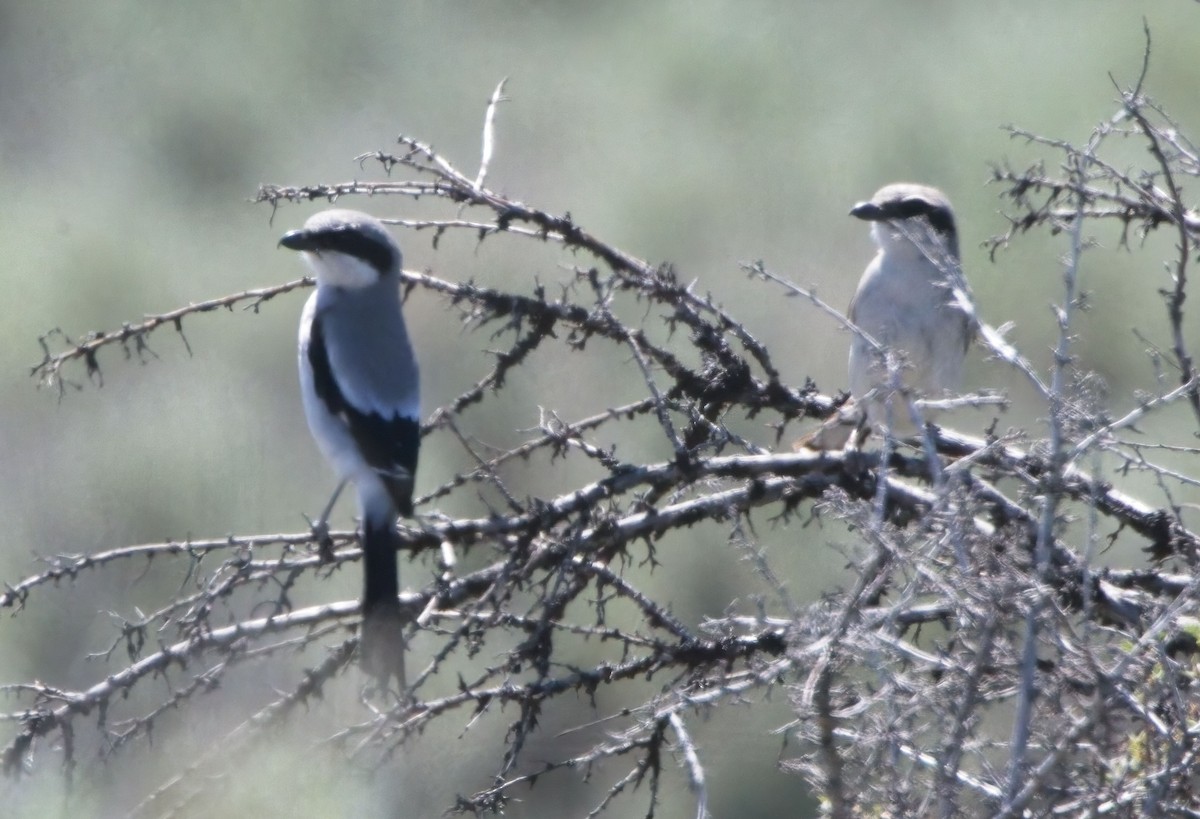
(133, 136)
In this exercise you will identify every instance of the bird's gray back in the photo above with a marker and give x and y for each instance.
(369, 349)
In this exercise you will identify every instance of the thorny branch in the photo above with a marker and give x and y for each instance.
(134, 338)
(978, 602)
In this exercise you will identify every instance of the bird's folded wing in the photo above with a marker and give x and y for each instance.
(387, 437)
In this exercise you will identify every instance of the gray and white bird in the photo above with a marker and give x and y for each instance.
(910, 302)
(361, 391)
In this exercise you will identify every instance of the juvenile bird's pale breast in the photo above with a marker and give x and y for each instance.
(903, 305)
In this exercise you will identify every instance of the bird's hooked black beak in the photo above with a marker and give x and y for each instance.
(298, 240)
(866, 210)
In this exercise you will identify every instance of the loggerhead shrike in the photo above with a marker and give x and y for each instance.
(907, 303)
(361, 392)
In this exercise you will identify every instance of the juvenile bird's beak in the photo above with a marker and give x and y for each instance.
(297, 240)
(866, 210)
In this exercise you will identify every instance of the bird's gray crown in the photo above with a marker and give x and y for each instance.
(351, 232)
(907, 200)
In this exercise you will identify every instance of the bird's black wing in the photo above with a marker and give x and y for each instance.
(388, 444)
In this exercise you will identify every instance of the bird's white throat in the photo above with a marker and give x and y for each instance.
(340, 269)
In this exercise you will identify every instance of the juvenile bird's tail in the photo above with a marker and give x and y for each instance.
(835, 433)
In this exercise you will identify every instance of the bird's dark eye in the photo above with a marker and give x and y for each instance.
(939, 217)
(940, 220)
(374, 251)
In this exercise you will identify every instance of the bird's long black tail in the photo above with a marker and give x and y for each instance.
(382, 641)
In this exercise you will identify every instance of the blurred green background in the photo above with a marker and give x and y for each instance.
(134, 134)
